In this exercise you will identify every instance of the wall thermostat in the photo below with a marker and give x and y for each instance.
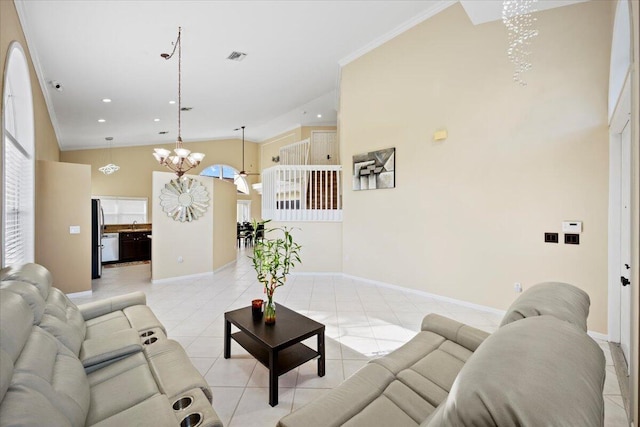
(573, 227)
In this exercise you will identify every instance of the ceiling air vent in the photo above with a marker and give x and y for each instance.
(236, 56)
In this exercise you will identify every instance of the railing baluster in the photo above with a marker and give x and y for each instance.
(302, 193)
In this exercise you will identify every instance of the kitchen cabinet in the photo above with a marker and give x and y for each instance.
(135, 246)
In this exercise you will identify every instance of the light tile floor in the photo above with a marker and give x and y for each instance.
(362, 321)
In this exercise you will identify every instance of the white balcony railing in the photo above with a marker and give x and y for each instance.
(302, 193)
(295, 154)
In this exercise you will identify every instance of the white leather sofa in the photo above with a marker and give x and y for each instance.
(105, 363)
(540, 368)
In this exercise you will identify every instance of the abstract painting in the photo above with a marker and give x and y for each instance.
(375, 170)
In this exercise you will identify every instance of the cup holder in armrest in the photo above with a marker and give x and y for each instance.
(150, 341)
(147, 334)
(191, 420)
(182, 403)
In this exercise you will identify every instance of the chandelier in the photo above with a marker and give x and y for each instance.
(183, 160)
(516, 16)
(109, 168)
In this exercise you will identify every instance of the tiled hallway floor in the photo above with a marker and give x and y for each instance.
(362, 321)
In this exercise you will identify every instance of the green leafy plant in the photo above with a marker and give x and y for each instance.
(273, 258)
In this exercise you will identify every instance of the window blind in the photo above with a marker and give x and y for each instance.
(18, 205)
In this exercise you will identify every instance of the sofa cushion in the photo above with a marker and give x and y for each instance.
(562, 300)
(155, 411)
(6, 372)
(534, 372)
(343, 402)
(120, 386)
(34, 274)
(454, 331)
(30, 294)
(47, 366)
(172, 369)
(15, 312)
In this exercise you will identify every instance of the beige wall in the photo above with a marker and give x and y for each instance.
(11, 30)
(270, 147)
(224, 223)
(193, 241)
(46, 143)
(467, 217)
(321, 245)
(137, 164)
(64, 200)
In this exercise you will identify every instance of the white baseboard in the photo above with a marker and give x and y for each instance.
(80, 294)
(190, 276)
(592, 334)
(309, 273)
(430, 295)
(598, 335)
(219, 269)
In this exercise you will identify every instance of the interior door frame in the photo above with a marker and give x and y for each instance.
(619, 120)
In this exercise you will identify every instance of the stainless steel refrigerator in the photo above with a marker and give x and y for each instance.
(97, 222)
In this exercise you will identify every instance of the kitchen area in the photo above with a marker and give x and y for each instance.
(120, 232)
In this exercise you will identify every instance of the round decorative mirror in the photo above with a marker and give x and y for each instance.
(184, 199)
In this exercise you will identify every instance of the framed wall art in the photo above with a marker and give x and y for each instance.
(375, 170)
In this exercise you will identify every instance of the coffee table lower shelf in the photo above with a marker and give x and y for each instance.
(288, 358)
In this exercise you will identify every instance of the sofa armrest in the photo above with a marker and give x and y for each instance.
(97, 352)
(94, 309)
(455, 331)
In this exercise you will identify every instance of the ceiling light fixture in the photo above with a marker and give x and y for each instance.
(156, 120)
(183, 160)
(109, 168)
(243, 173)
(319, 116)
(101, 120)
(516, 16)
(106, 100)
(172, 102)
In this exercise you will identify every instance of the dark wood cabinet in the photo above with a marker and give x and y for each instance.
(135, 246)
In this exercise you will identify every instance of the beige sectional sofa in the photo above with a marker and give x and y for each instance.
(540, 368)
(105, 363)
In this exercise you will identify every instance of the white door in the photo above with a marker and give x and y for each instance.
(324, 148)
(625, 242)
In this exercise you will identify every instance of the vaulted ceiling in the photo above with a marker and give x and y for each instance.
(97, 49)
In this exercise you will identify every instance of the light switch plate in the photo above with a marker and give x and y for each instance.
(74, 229)
(572, 227)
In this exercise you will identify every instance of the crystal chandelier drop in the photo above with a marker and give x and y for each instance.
(516, 15)
(109, 168)
(183, 160)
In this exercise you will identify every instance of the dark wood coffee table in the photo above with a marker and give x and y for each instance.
(278, 347)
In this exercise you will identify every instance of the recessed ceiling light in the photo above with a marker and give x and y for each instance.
(106, 100)
(156, 120)
(319, 116)
(172, 102)
(101, 120)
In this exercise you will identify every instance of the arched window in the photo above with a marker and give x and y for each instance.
(18, 155)
(227, 173)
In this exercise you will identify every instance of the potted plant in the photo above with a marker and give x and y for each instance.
(272, 259)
